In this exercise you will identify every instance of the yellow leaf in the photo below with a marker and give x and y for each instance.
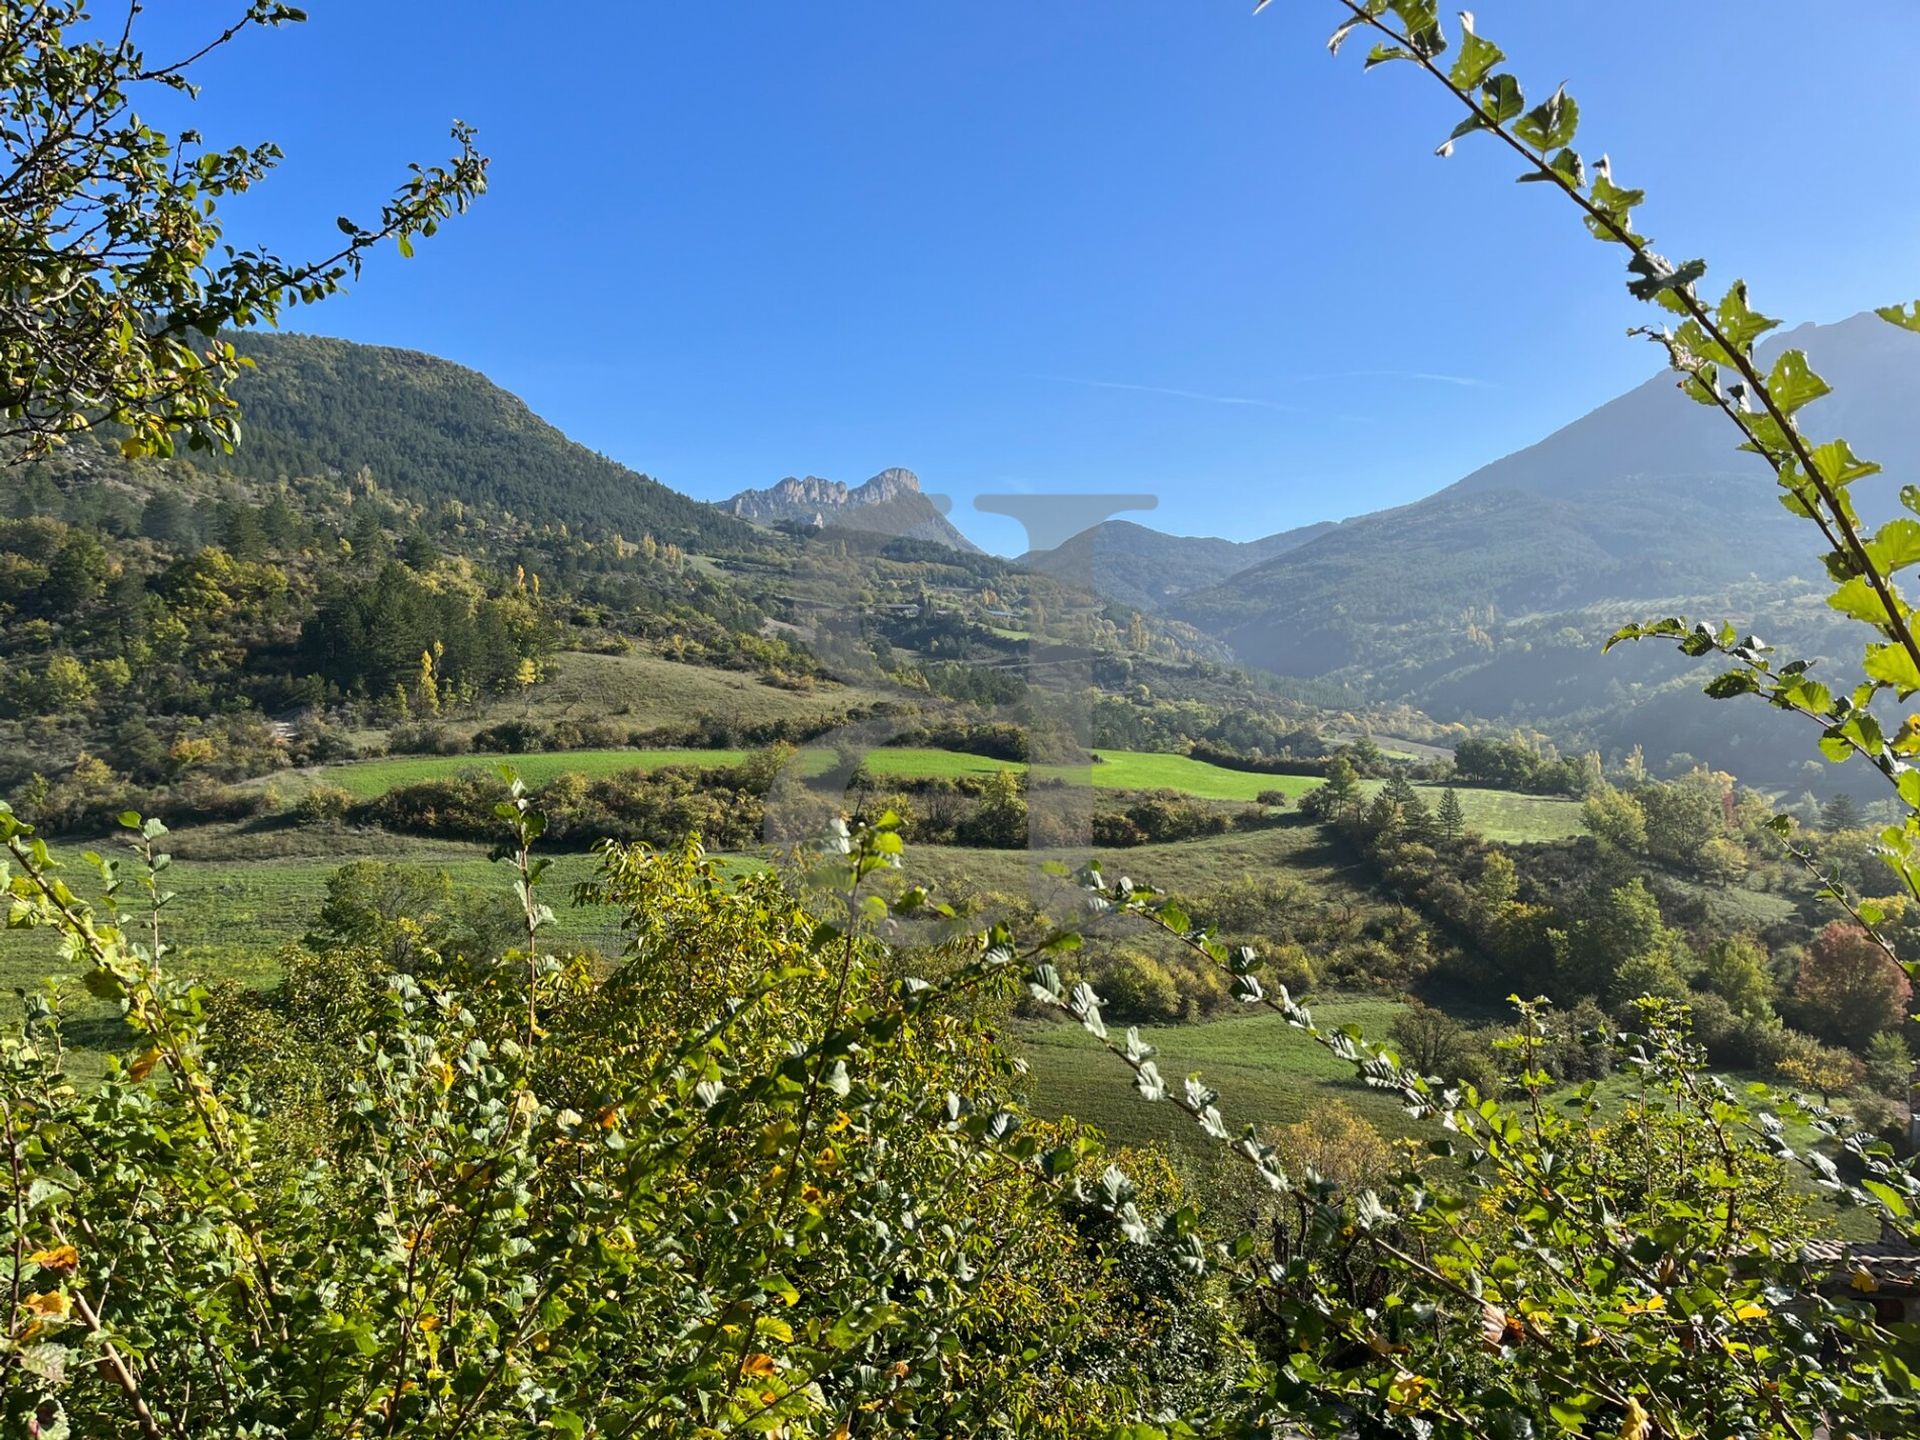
(760, 1367)
(1750, 1311)
(51, 1303)
(1635, 1426)
(63, 1258)
(1863, 1281)
(143, 1066)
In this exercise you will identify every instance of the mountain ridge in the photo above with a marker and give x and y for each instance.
(889, 503)
(439, 432)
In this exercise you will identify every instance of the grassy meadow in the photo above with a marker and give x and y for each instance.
(1266, 1071)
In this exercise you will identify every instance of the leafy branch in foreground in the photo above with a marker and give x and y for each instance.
(1550, 1267)
(1711, 347)
(747, 1182)
(115, 279)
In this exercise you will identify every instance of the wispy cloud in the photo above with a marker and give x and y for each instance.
(1206, 397)
(1469, 381)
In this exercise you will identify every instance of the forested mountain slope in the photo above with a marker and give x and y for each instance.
(437, 432)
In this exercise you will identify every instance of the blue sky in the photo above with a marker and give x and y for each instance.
(1019, 246)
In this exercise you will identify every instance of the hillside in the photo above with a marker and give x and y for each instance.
(1644, 504)
(436, 432)
(1146, 568)
(891, 504)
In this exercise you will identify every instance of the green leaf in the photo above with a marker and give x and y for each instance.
(1733, 682)
(1838, 465)
(1739, 322)
(1339, 36)
(1385, 54)
(1907, 318)
(1888, 1196)
(1793, 384)
(1502, 99)
(1858, 599)
(1475, 59)
(1658, 276)
(1892, 664)
(1895, 546)
(1551, 123)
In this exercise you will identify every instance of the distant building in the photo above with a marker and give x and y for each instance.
(1882, 1273)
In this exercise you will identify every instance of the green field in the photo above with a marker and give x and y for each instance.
(1496, 814)
(1506, 816)
(1117, 770)
(1189, 867)
(367, 779)
(1266, 1071)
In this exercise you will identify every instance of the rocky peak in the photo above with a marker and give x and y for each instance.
(889, 484)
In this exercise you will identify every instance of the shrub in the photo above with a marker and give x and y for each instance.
(323, 805)
(1137, 987)
(425, 740)
(509, 737)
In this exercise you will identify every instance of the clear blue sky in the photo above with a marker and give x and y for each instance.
(1133, 246)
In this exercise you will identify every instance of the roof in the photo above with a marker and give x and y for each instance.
(1890, 1260)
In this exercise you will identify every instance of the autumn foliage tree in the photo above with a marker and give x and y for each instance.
(1849, 989)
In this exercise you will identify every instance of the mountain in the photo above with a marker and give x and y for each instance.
(436, 432)
(1147, 569)
(1646, 505)
(891, 503)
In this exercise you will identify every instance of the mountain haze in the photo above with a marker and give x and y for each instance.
(1148, 569)
(1646, 497)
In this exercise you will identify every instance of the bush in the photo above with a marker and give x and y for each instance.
(1336, 1143)
(1138, 988)
(323, 805)
(509, 737)
(425, 740)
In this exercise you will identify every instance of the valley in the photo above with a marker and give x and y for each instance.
(336, 667)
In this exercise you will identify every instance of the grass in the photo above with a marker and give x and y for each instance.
(643, 690)
(1189, 867)
(1506, 816)
(367, 779)
(1266, 1072)
(230, 921)
(1118, 770)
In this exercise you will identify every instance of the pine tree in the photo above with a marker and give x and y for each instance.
(1451, 821)
(1339, 797)
(1842, 812)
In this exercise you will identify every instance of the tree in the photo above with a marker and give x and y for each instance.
(1614, 816)
(1736, 970)
(112, 251)
(1336, 1143)
(1848, 989)
(1434, 1043)
(1414, 816)
(1337, 798)
(1890, 1065)
(1450, 820)
(1840, 812)
(1820, 1069)
(1619, 948)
